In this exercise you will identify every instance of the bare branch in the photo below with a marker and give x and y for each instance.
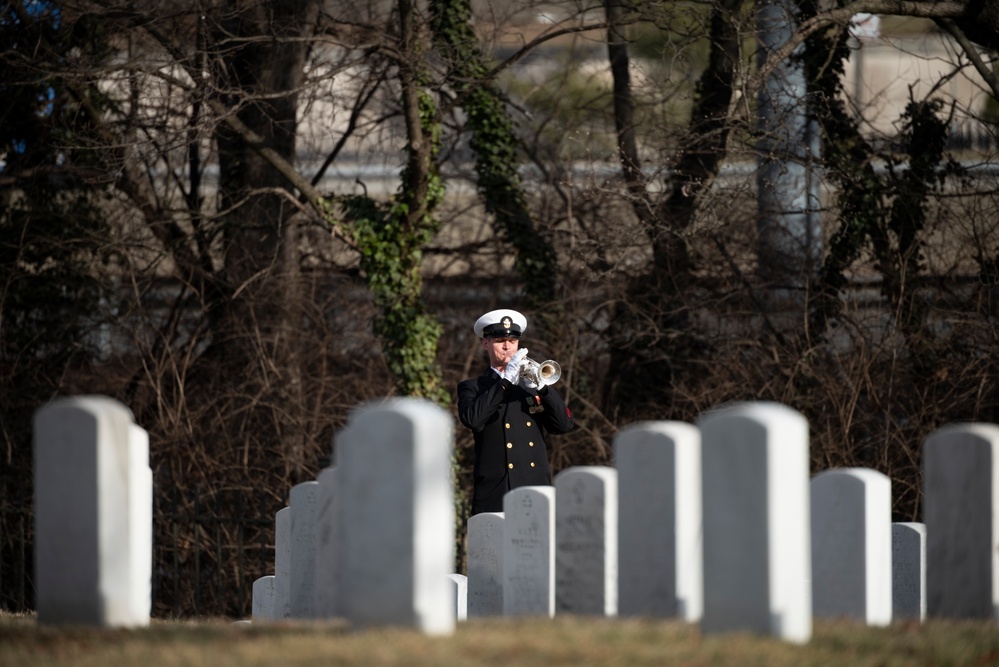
(547, 37)
(841, 16)
(983, 70)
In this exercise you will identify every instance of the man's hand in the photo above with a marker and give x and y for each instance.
(512, 371)
(528, 383)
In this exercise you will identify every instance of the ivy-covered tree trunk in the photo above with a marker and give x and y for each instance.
(391, 236)
(884, 213)
(494, 144)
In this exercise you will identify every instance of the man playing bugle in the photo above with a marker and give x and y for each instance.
(509, 410)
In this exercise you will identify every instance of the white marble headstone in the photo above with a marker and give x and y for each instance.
(851, 545)
(282, 563)
(459, 594)
(327, 546)
(529, 551)
(303, 499)
(961, 513)
(659, 520)
(91, 494)
(586, 541)
(485, 564)
(140, 518)
(908, 574)
(755, 494)
(263, 599)
(396, 508)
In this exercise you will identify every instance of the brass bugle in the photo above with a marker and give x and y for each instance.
(541, 374)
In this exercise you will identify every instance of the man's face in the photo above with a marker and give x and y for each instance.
(500, 350)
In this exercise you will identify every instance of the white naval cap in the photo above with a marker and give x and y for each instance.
(502, 323)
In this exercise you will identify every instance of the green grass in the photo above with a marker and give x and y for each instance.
(500, 642)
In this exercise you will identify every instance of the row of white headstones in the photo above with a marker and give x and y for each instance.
(717, 523)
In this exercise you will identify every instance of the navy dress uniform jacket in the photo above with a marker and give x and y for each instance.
(509, 424)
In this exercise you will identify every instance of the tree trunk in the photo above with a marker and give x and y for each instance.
(650, 334)
(255, 325)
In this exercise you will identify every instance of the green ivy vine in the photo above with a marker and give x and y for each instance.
(494, 144)
(390, 237)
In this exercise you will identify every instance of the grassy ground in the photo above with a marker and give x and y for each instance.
(501, 642)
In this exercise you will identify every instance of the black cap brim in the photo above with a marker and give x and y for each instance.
(499, 331)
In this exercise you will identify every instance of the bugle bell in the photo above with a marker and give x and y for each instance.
(542, 374)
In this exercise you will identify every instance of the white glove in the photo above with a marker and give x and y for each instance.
(512, 371)
(528, 383)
